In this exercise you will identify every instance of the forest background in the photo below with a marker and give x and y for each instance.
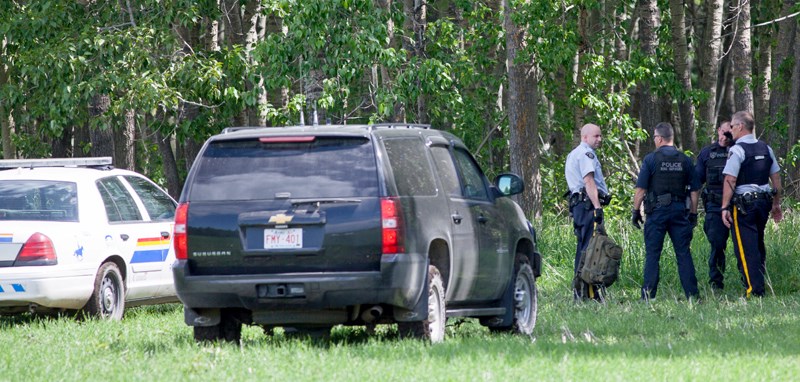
(147, 81)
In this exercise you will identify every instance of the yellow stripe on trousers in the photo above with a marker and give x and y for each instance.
(741, 249)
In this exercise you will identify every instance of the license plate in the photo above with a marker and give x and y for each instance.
(287, 238)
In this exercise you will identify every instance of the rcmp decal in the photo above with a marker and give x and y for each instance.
(19, 288)
(78, 252)
(150, 250)
(6, 237)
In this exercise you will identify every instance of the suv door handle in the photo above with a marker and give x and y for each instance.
(164, 235)
(482, 219)
(124, 237)
(456, 218)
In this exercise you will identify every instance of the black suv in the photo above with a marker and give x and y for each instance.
(313, 226)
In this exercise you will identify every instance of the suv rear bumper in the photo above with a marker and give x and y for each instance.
(399, 282)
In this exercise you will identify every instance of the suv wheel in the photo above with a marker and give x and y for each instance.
(526, 299)
(108, 298)
(229, 329)
(433, 327)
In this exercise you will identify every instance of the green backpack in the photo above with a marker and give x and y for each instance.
(600, 261)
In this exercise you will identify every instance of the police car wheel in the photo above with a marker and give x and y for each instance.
(108, 299)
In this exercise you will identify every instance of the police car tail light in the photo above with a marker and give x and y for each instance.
(179, 234)
(38, 250)
(391, 227)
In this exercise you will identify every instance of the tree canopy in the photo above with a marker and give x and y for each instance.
(147, 81)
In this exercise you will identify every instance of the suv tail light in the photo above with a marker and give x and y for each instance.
(179, 232)
(391, 226)
(38, 250)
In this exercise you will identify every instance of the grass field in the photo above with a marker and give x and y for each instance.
(724, 338)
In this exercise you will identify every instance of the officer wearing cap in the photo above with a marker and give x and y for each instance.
(708, 170)
(587, 194)
(665, 181)
(748, 199)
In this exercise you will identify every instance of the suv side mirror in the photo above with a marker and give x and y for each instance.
(509, 184)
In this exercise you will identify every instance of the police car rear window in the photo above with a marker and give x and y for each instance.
(38, 200)
(321, 167)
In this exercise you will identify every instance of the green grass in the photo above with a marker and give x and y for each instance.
(724, 338)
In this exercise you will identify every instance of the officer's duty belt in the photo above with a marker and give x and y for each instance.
(749, 197)
(711, 197)
(580, 197)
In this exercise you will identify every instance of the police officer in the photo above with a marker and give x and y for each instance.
(588, 193)
(665, 181)
(708, 170)
(748, 199)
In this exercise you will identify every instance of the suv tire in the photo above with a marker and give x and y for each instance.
(229, 329)
(108, 298)
(525, 298)
(433, 327)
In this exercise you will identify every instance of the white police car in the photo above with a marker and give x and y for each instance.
(79, 234)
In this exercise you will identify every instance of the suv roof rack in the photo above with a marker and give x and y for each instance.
(98, 162)
(237, 128)
(398, 125)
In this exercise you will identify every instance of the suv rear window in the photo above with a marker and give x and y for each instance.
(329, 167)
(40, 200)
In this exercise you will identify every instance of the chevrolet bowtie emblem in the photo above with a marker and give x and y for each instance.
(280, 218)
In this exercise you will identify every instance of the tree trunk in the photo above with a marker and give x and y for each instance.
(280, 98)
(7, 129)
(416, 21)
(762, 57)
(793, 119)
(781, 78)
(101, 135)
(726, 104)
(6, 121)
(742, 58)
(649, 106)
(168, 163)
(125, 143)
(62, 145)
(522, 116)
(682, 67)
(710, 65)
(256, 22)
(81, 140)
(190, 150)
(235, 35)
(386, 79)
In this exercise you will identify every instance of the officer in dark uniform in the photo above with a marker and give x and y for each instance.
(748, 199)
(708, 170)
(666, 180)
(587, 194)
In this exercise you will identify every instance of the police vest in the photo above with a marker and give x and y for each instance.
(670, 175)
(715, 163)
(756, 165)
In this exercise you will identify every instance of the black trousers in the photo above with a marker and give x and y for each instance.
(717, 235)
(672, 220)
(583, 224)
(747, 231)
